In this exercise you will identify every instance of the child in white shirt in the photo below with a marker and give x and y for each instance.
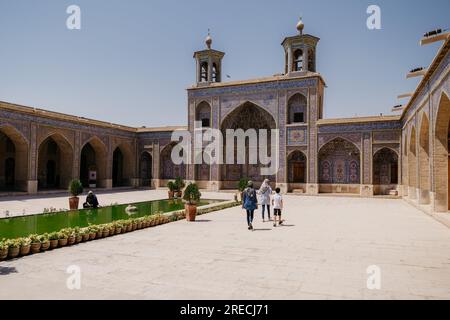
(277, 203)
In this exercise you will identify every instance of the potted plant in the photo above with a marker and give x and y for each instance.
(99, 231)
(62, 238)
(3, 250)
(192, 197)
(35, 243)
(13, 248)
(25, 246)
(90, 233)
(112, 229)
(71, 237)
(45, 242)
(129, 225)
(172, 188)
(75, 189)
(78, 235)
(179, 186)
(85, 234)
(54, 240)
(119, 226)
(105, 231)
(243, 183)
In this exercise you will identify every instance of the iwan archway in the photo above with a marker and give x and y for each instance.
(339, 167)
(245, 117)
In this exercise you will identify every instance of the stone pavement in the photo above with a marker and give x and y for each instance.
(323, 251)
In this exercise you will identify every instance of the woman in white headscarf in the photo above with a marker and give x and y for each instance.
(265, 192)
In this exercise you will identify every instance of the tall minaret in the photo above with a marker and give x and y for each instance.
(209, 63)
(300, 51)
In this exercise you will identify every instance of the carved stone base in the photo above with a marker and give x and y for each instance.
(366, 190)
(312, 188)
(213, 186)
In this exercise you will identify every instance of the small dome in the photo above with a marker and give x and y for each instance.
(208, 41)
(300, 26)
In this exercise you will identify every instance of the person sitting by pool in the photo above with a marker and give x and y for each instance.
(91, 201)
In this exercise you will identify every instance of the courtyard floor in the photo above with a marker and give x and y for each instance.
(323, 251)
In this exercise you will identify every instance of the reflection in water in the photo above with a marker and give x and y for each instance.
(39, 224)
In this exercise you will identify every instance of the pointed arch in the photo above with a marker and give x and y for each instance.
(146, 168)
(297, 167)
(168, 169)
(441, 155)
(424, 160)
(93, 158)
(297, 109)
(203, 114)
(55, 162)
(14, 155)
(122, 165)
(412, 164)
(339, 162)
(246, 117)
(385, 171)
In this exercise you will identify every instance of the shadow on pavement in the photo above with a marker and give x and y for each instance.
(6, 270)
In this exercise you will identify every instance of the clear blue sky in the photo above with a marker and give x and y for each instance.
(132, 60)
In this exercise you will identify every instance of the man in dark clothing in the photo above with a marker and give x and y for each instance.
(91, 201)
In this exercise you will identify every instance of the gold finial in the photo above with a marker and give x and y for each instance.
(300, 26)
(208, 40)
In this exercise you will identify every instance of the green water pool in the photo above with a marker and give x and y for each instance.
(11, 228)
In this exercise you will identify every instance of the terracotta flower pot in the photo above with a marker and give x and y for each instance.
(191, 211)
(36, 247)
(74, 203)
(99, 234)
(3, 254)
(78, 238)
(71, 240)
(139, 225)
(25, 250)
(179, 194)
(134, 226)
(13, 252)
(62, 242)
(92, 236)
(45, 245)
(54, 244)
(118, 230)
(171, 194)
(130, 228)
(85, 237)
(105, 233)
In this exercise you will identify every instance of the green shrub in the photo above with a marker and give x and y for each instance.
(179, 184)
(243, 183)
(75, 188)
(171, 185)
(192, 194)
(53, 236)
